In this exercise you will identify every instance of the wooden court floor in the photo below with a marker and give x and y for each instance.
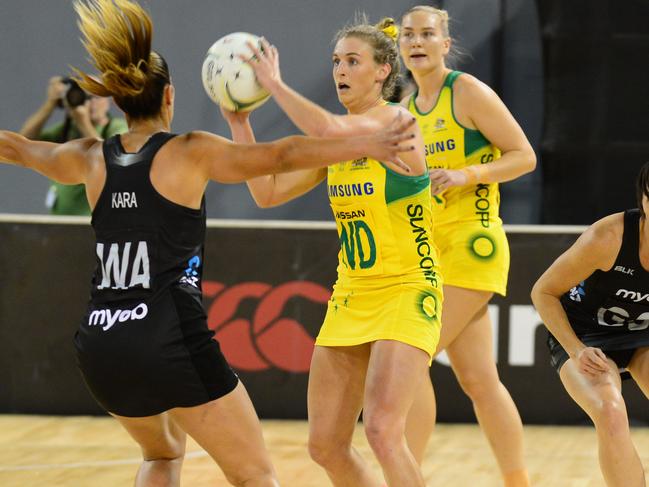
(85, 451)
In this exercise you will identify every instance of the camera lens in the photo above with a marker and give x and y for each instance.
(75, 96)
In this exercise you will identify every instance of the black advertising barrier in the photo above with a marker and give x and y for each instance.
(266, 285)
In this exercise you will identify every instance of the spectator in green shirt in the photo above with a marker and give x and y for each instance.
(89, 118)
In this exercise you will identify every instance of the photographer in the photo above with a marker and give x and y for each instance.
(85, 116)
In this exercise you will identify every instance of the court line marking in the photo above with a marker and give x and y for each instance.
(201, 454)
(99, 463)
(273, 224)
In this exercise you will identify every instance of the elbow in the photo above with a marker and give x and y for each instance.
(537, 293)
(269, 204)
(267, 201)
(530, 160)
(262, 191)
(534, 293)
(8, 153)
(263, 202)
(523, 161)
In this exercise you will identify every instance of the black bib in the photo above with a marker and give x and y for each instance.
(145, 243)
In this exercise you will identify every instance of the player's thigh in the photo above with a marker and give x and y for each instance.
(471, 353)
(460, 307)
(336, 388)
(228, 429)
(396, 370)
(639, 368)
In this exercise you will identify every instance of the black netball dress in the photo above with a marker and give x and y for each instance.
(610, 310)
(144, 346)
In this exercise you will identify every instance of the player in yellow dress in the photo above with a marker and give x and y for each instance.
(472, 143)
(382, 324)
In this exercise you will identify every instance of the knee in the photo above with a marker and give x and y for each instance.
(170, 448)
(253, 475)
(610, 417)
(161, 470)
(385, 433)
(173, 452)
(479, 385)
(327, 449)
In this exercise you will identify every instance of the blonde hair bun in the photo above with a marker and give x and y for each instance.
(389, 28)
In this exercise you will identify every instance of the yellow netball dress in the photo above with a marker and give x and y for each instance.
(388, 286)
(474, 252)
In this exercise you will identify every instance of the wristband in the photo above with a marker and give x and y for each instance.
(474, 174)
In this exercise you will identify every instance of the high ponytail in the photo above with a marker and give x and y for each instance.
(117, 35)
(389, 28)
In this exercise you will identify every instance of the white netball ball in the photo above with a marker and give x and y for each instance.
(227, 79)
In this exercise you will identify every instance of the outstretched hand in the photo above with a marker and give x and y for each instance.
(386, 144)
(592, 361)
(265, 64)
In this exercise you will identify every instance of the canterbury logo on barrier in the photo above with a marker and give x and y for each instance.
(264, 338)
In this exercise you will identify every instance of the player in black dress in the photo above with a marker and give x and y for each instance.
(594, 299)
(144, 347)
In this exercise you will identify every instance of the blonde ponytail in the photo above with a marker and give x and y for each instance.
(117, 35)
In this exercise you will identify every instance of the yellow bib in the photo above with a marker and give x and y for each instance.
(449, 145)
(384, 223)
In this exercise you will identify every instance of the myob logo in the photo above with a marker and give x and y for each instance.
(106, 318)
(632, 295)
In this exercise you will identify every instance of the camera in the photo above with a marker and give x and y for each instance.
(74, 95)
